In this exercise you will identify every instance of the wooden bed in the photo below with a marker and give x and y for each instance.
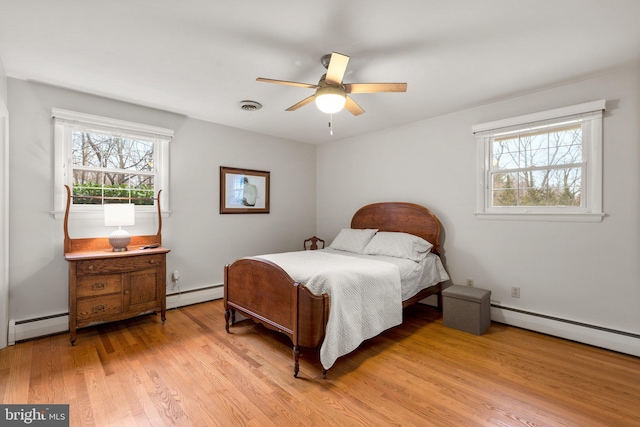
(261, 290)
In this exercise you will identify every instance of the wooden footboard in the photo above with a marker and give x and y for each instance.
(264, 292)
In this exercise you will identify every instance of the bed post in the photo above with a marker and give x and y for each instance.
(228, 315)
(296, 331)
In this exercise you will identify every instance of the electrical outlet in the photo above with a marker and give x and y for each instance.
(515, 291)
(470, 282)
(175, 276)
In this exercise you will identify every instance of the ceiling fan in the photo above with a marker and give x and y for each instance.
(331, 92)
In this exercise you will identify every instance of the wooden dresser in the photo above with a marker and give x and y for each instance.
(106, 286)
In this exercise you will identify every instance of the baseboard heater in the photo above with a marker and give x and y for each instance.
(599, 336)
(23, 330)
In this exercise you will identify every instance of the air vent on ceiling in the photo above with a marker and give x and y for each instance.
(249, 105)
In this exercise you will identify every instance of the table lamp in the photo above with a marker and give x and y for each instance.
(119, 215)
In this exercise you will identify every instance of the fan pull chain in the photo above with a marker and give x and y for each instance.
(331, 124)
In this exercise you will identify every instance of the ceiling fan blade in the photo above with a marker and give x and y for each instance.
(336, 69)
(352, 107)
(287, 83)
(374, 87)
(302, 103)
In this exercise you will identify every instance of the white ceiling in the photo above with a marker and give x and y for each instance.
(200, 58)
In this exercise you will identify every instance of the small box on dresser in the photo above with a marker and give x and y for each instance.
(467, 309)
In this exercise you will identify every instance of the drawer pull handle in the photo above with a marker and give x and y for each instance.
(99, 308)
(99, 285)
(153, 261)
(90, 267)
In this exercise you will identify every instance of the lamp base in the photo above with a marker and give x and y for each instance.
(119, 239)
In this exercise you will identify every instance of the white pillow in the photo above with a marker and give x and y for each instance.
(398, 245)
(352, 239)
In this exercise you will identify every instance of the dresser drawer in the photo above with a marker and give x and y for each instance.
(94, 285)
(147, 261)
(97, 309)
(118, 265)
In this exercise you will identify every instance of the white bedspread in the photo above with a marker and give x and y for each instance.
(364, 295)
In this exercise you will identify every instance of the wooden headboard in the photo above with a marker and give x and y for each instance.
(400, 217)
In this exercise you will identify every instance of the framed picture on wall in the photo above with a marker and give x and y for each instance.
(243, 190)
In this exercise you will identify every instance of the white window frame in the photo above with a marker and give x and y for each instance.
(65, 122)
(590, 115)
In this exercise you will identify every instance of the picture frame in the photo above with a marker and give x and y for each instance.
(244, 190)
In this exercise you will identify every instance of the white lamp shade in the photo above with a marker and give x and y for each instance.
(119, 214)
(330, 99)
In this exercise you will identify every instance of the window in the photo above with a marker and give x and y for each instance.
(543, 166)
(104, 160)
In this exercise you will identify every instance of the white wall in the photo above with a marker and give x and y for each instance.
(201, 240)
(584, 272)
(4, 199)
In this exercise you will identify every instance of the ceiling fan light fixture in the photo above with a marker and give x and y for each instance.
(330, 99)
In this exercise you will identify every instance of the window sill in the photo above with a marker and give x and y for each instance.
(544, 217)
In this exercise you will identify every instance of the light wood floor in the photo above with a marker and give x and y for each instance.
(189, 372)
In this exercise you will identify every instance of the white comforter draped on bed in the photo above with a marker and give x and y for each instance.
(364, 295)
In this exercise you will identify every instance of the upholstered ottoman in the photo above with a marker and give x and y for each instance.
(467, 309)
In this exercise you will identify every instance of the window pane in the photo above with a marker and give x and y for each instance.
(505, 189)
(88, 149)
(128, 188)
(98, 186)
(566, 146)
(538, 149)
(551, 187)
(142, 187)
(87, 178)
(565, 187)
(108, 151)
(87, 183)
(129, 154)
(535, 151)
(114, 155)
(506, 154)
(532, 189)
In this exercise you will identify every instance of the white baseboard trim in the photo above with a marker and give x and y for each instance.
(34, 328)
(194, 297)
(27, 329)
(622, 342)
(609, 339)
